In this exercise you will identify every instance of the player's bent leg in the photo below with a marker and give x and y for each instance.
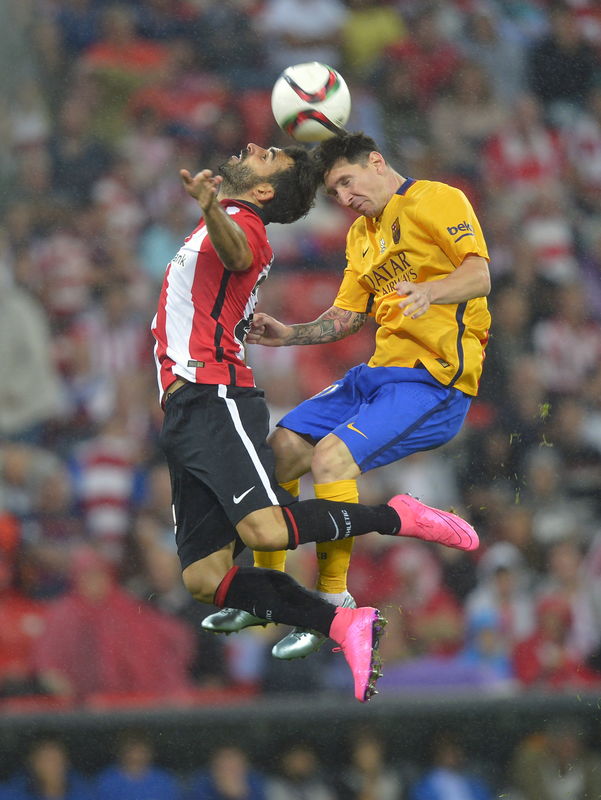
(292, 452)
(202, 579)
(285, 527)
(230, 620)
(333, 559)
(279, 598)
(276, 559)
(264, 529)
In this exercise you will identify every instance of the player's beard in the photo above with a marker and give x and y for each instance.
(238, 178)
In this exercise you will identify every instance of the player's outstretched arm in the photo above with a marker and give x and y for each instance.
(227, 237)
(333, 324)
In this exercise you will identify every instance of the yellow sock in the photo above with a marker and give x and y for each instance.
(276, 559)
(333, 558)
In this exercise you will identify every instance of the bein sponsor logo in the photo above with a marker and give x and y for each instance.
(463, 229)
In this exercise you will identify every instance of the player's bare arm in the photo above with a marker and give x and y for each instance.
(471, 279)
(334, 324)
(227, 237)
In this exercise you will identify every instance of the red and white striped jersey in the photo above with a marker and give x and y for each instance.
(205, 310)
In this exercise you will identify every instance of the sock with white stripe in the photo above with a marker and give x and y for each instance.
(328, 520)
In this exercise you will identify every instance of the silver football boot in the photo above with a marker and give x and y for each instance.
(301, 642)
(230, 620)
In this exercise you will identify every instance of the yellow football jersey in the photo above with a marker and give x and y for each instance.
(425, 232)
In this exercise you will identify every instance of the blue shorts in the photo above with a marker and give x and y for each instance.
(382, 414)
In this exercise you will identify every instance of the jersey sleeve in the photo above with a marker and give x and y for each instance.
(447, 215)
(352, 296)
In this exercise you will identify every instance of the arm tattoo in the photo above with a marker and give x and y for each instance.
(333, 324)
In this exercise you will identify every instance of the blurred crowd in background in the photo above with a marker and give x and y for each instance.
(103, 103)
(363, 770)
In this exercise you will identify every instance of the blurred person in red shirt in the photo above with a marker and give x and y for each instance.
(523, 156)
(99, 638)
(21, 618)
(544, 659)
(407, 579)
(431, 58)
(120, 48)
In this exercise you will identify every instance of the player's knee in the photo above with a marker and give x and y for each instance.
(332, 461)
(202, 591)
(292, 454)
(264, 529)
(202, 583)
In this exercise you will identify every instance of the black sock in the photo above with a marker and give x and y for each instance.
(276, 597)
(327, 520)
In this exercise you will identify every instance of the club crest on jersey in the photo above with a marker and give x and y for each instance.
(396, 231)
(382, 245)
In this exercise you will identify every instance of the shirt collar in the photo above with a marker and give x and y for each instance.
(260, 212)
(405, 185)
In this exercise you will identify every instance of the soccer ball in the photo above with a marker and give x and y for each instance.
(311, 102)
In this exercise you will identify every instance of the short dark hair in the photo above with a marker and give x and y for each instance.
(294, 188)
(353, 147)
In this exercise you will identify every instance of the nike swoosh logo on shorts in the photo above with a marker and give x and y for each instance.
(352, 427)
(240, 497)
(335, 525)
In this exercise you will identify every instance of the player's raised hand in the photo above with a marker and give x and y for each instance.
(267, 331)
(416, 298)
(203, 186)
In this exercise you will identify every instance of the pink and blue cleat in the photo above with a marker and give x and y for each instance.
(432, 524)
(358, 631)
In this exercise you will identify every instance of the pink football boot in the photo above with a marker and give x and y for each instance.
(433, 525)
(357, 631)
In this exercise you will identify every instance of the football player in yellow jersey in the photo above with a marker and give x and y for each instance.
(416, 261)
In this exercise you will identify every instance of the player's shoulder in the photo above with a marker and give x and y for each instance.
(425, 188)
(357, 230)
(428, 197)
(246, 215)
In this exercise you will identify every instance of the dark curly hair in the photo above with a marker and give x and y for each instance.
(294, 187)
(352, 147)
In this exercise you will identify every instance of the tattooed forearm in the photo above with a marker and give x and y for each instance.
(333, 324)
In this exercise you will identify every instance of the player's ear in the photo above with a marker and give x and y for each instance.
(377, 160)
(263, 192)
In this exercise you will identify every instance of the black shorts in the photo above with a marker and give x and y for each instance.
(214, 438)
